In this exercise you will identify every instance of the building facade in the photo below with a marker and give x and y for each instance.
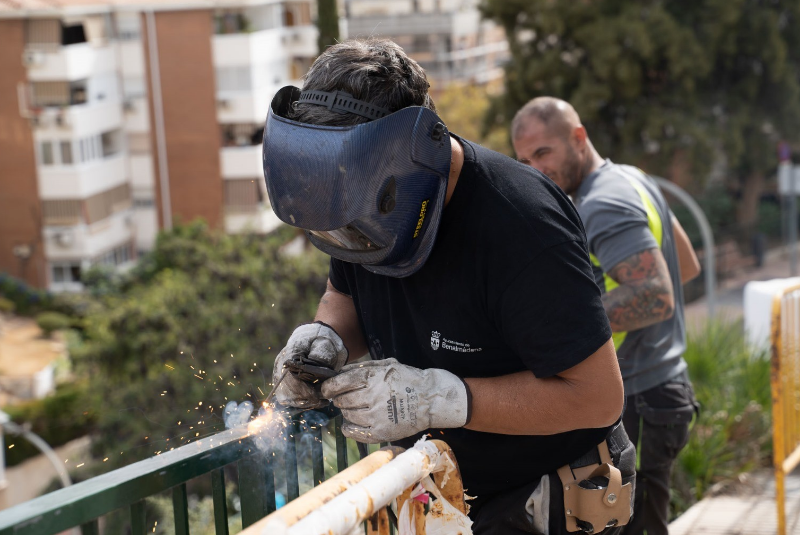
(448, 38)
(119, 118)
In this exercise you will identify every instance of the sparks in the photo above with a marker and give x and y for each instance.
(168, 366)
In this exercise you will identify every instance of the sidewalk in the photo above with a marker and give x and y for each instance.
(730, 292)
(752, 511)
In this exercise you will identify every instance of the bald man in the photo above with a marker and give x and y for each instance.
(640, 256)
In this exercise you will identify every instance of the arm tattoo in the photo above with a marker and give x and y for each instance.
(644, 296)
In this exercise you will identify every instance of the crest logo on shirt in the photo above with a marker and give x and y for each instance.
(435, 340)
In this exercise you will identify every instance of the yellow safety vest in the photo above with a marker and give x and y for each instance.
(656, 228)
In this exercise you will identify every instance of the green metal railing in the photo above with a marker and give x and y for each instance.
(84, 503)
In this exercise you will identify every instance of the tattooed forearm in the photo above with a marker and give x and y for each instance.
(644, 296)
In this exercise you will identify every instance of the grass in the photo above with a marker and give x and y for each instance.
(732, 435)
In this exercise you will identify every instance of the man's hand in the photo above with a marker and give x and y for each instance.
(318, 343)
(383, 400)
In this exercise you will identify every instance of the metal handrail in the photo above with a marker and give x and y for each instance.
(785, 379)
(84, 503)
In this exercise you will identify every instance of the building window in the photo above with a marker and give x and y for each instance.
(103, 205)
(143, 203)
(111, 142)
(241, 134)
(62, 212)
(47, 153)
(66, 152)
(66, 272)
(243, 195)
(43, 33)
(115, 257)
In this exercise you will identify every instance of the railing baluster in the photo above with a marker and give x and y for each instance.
(269, 481)
(290, 456)
(180, 509)
(253, 489)
(138, 519)
(341, 444)
(220, 501)
(90, 528)
(317, 457)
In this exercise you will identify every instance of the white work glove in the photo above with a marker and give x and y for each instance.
(321, 344)
(383, 400)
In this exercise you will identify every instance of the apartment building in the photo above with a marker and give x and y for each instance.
(118, 118)
(447, 38)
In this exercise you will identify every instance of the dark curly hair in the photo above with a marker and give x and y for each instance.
(374, 70)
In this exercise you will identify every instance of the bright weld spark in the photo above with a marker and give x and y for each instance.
(168, 366)
(198, 376)
(10, 446)
(104, 460)
(80, 465)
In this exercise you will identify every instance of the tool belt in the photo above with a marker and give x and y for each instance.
(594, 495)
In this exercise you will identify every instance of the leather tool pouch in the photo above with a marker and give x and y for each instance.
(594, 496)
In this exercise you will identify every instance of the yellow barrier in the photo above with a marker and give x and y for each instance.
(785, 379)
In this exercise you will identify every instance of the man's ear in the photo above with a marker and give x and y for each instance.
(579, 137)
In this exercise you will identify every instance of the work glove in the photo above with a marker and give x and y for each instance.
(383, 400)
(319, 343)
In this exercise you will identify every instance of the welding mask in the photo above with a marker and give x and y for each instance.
(370, 194)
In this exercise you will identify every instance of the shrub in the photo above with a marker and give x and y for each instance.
(58, 419)
(6, 305)
(732, 434)
(27, 300)
(50, 322)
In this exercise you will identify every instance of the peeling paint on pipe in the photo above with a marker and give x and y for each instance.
(347, 511)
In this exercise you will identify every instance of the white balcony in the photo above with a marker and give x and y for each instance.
(243, 107)
(142, 173)
(301, 41)
(81, 181)
(137, 115)
(248, 49)
(132, 56)
(69, 63)
(241, 162)
(146, 223)
(261, 221)
(87, 242)
(79, 120)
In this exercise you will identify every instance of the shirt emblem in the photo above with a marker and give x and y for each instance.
(435, 340)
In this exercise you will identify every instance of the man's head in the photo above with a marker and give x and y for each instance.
(547, 134)
(373, 70)
(359, 159)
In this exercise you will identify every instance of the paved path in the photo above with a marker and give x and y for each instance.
(730, 293)
(30, 478)
(751, 511)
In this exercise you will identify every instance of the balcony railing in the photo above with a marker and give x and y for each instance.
(129, 487)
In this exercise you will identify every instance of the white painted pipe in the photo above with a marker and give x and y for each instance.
(345, 513)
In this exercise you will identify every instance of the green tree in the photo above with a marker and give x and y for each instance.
(664, 85)
(462, 107)
(198, 323)
(327, 23)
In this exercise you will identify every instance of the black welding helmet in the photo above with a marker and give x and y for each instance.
(370, 194)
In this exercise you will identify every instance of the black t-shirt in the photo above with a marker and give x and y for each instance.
(508, 287)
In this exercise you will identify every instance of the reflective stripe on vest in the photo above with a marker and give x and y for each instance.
(656, 228)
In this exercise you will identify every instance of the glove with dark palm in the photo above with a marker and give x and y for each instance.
(383, 400)
(313, 343)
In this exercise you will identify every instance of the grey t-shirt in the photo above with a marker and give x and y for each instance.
(624, 213)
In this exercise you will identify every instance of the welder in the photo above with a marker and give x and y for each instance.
(464, 276)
